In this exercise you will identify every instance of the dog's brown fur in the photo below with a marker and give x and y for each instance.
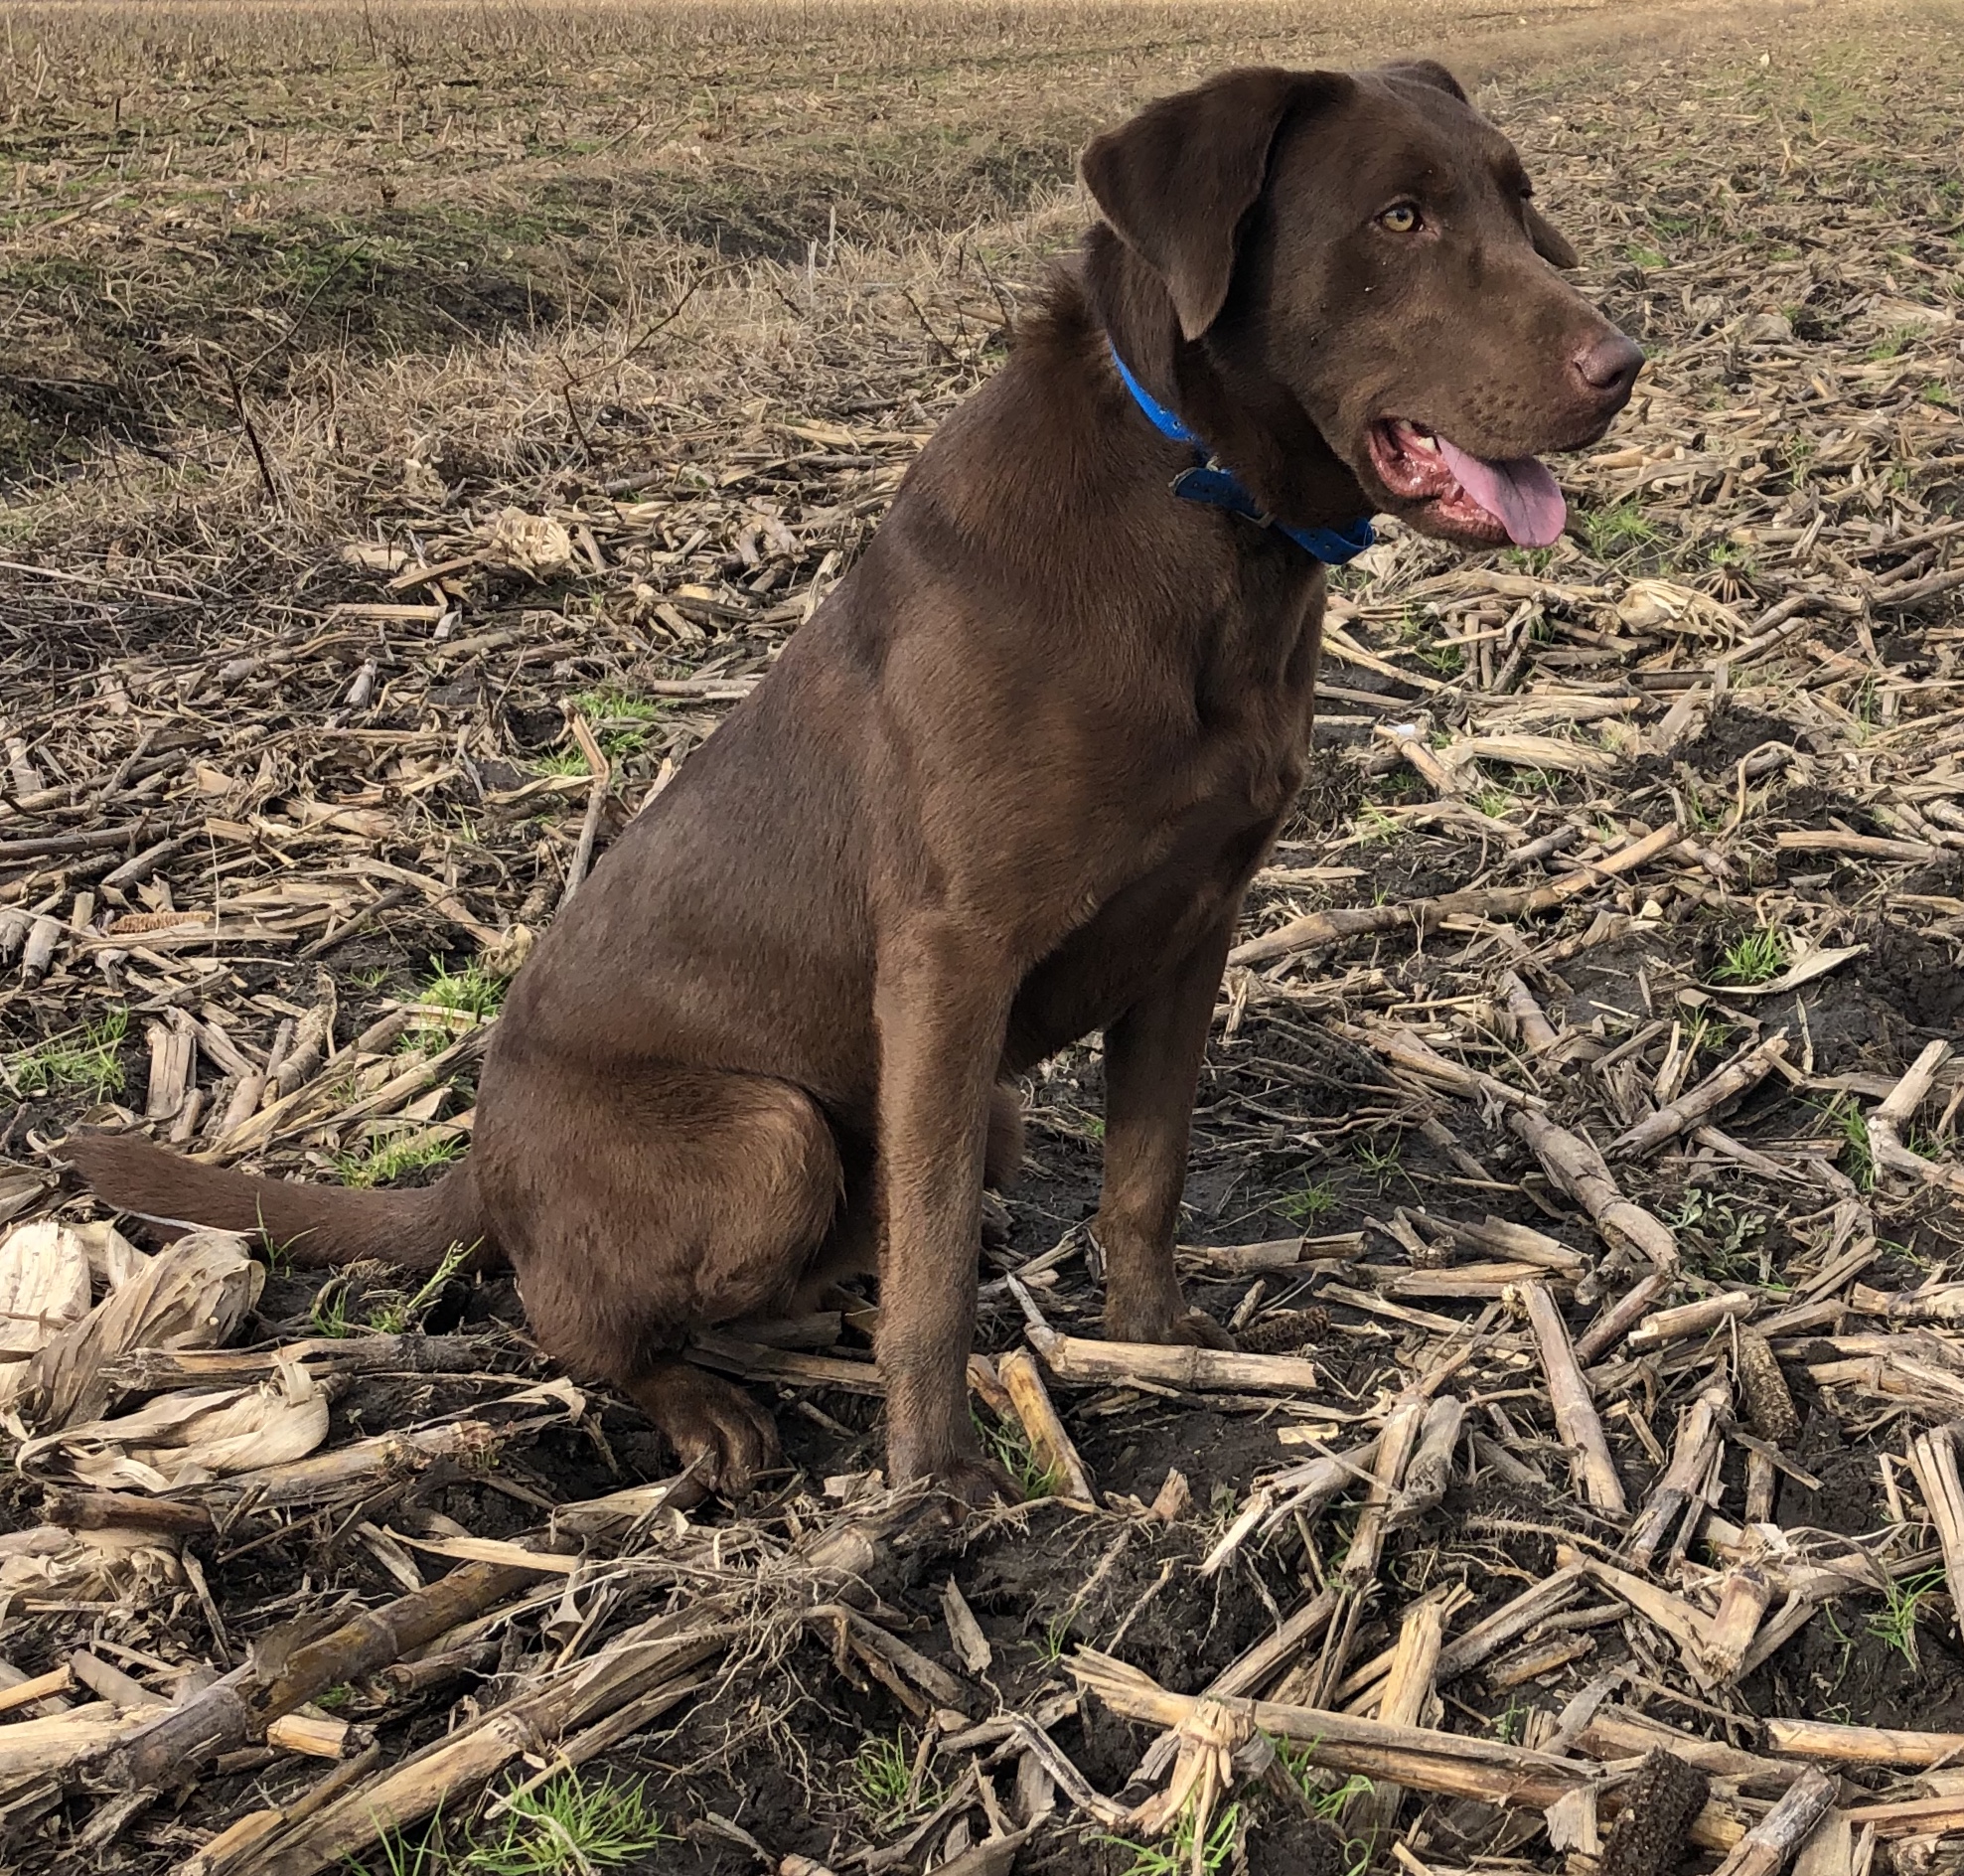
(1005, 790)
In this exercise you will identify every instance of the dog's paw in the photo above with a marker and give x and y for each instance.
(733, 1450)
(1197, 1329)
(1173, 1324)
(722, 1438)
(974, 1484)
(963, 1475)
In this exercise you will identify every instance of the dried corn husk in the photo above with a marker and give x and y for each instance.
(191, 1296)
(1649, 603)
(20, 1187)
(51, 1565)
(43, 1286)
(189, 1438)
(529, 543)
(1532, 752)
(112, 1259)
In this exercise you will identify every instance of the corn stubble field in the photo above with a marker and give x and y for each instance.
(418, 424)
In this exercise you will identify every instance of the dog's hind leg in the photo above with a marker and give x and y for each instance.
(1002, 1160)
(643, 1208)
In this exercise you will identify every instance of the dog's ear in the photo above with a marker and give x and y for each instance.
(1427, 71)
(1178, 180)
(1550, 242)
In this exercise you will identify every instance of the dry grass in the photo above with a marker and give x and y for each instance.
(461, 235)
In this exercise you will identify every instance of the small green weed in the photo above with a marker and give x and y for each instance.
(1847, 1641)
(1416, 623)
(1382, 1164)
(1898, 341)
(1009, 1445)
(1299, 1762)
(1055, 1641)
(389, 1159)
(1753, 957)
(1729, 556)
(621, 720)
(404, 1855)
(1177, 1857)
(1894, 1624)
(1702, 818)
(1938, 392)
(1374, 825)
(328, 1311)
(1642, 257)
(883, 1778)
(1528, 560)
(570, 1828)
(1448, 660)
(77, 1061)
(1727, 1231)
(1330, 1805)
(1317, 1197)
(1918, 1260)
(559, 763)
(1845, 1117)
(456, 824)
(472, 991)
(1617, 529)
(396, 1318)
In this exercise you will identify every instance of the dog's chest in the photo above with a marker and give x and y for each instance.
(1206, 807)
(1252, 705)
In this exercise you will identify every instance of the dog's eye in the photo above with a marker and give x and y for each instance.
(1400, 219)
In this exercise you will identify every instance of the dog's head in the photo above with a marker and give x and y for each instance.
(1364, 249)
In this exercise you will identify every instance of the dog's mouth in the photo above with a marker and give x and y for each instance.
(1464, 496)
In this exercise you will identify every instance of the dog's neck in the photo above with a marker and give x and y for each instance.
(1254, 427)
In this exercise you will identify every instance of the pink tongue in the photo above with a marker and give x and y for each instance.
(1521, 495)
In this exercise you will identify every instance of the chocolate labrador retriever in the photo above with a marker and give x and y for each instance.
(1008, 787)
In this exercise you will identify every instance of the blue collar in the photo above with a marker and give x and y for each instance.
(1209, 482)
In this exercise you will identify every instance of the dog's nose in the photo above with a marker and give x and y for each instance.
(1609, 367)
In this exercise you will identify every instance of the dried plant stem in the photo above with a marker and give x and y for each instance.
(1408, 1689)
(1578, 1168)
(1934, 1459)
(1575, 1418)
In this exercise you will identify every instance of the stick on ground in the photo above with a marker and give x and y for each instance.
(1575, 1418)
(1578, 1169)
(1053, 1447)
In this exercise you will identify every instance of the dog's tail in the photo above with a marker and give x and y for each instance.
(315, 1226)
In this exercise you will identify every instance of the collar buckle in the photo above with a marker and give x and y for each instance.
(1212, 482)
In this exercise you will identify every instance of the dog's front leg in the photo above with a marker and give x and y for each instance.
(1152, 1066)
(941, 1009)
